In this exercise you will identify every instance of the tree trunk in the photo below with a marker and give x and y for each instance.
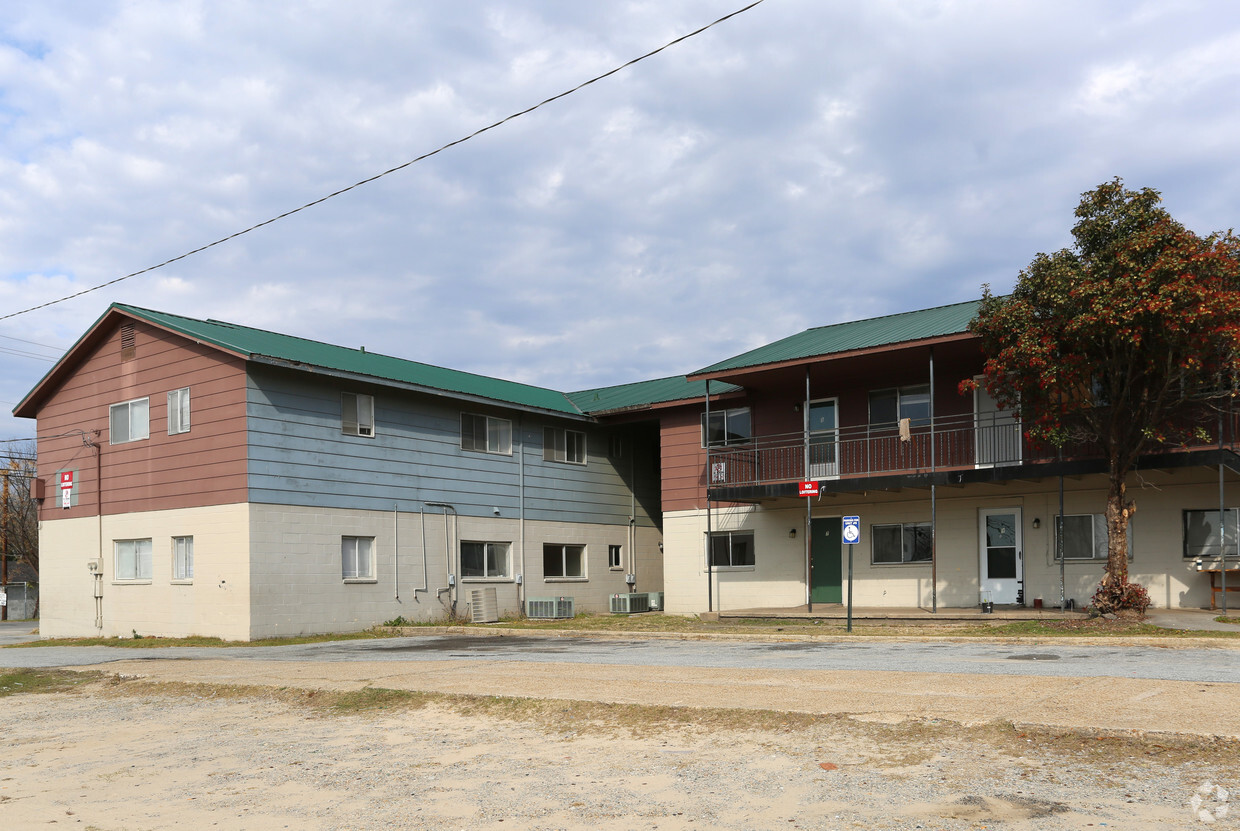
(1118, 512)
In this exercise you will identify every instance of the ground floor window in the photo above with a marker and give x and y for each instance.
(1202, 536)
(133, 559)
(900, 542)
(357, 558)
(614, 557)
(564, 560)
(485, 559)
(732, 549)
(182, 558)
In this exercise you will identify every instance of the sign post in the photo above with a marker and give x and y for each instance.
(852, 536)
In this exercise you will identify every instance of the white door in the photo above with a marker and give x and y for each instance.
(996, 432)
(824, 436)
(1002, 557)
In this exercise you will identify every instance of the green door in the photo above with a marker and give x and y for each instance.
(825, 547)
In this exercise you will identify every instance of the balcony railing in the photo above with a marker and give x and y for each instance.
(956, 442)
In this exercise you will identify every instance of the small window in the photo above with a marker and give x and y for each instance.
(560, 445)
(564, 560)
(182, 558)
(128, 342)
(1202, 537)
(732, 549)
(485, 434)
(132, 559)
(614, 557)
(357, 414)
(727, 427)
(906, 542)
(889, 407)
(615, 447)
(485, 559)
(357, 558)
(178, 411)
(129, 421)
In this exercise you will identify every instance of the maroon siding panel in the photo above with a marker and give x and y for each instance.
(206, 466)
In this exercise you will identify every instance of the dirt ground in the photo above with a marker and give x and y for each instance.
(177, 744)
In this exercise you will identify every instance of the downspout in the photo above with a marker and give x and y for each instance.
(632, 515)
(710, 474)
(426, 581)
(809, 520)
(1222, 515)
(99, 521)
(521, 591)
(396, 550)
(934, 530)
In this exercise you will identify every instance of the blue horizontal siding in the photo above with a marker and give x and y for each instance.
(298, 456)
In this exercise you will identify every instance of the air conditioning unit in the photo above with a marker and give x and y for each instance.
(656, 601)
(628, 604)
(482, 605)
(549, 608)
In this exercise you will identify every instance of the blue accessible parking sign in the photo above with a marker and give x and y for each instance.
(852, 529)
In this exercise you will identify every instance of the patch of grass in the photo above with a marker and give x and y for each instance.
(152, 642)
(1228, 619)
(17, 681)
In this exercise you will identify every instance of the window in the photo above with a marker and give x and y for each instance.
(129, 421)
(486, 434)
(133, 559)
(564, 560)
(615, 447)
(614, 553)
(357, 414)
(726, 427)
(356, 558)
(901, 542)
(560, 445)
(178, 411)
(484, 559)
(889, 407)
(731, 549)
(182, 558)
(1201, 533)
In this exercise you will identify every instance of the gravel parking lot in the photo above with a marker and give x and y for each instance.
(142, 755)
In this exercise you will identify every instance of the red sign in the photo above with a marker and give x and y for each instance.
(66, 479)
(809, 489)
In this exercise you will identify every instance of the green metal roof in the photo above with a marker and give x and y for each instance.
(259, 343)
(644, 394)
(858, 334)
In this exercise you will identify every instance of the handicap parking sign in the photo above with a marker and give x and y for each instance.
(852, 529)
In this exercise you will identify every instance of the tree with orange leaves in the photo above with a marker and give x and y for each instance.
(1116, 343)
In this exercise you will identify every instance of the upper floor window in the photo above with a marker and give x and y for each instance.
(130, 421)
(486, 434)
(889, 407)
(357, 414)
(178, 411)
(560, 445)
(723, 427)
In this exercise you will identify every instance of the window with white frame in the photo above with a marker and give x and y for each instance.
(900, 542)
(357, 558)
(132, 559)
(564, 560)
(1085, 537)
(615, 557)
(486, 434)
(485, 559)
(725, 427)
(1202, 537)
(178, 411)
(182, 558)
(357, 414)
(129, 421)
(732, 549)
(889, 407)
(560, 445)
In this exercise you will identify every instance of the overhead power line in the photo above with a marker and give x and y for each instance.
(392, 170)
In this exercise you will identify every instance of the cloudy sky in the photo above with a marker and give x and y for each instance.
(804, 163)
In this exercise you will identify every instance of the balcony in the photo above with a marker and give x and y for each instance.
(955, 442)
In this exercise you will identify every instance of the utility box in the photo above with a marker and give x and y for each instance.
(482, 605)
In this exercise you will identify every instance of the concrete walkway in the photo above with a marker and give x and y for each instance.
(1198, 619)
